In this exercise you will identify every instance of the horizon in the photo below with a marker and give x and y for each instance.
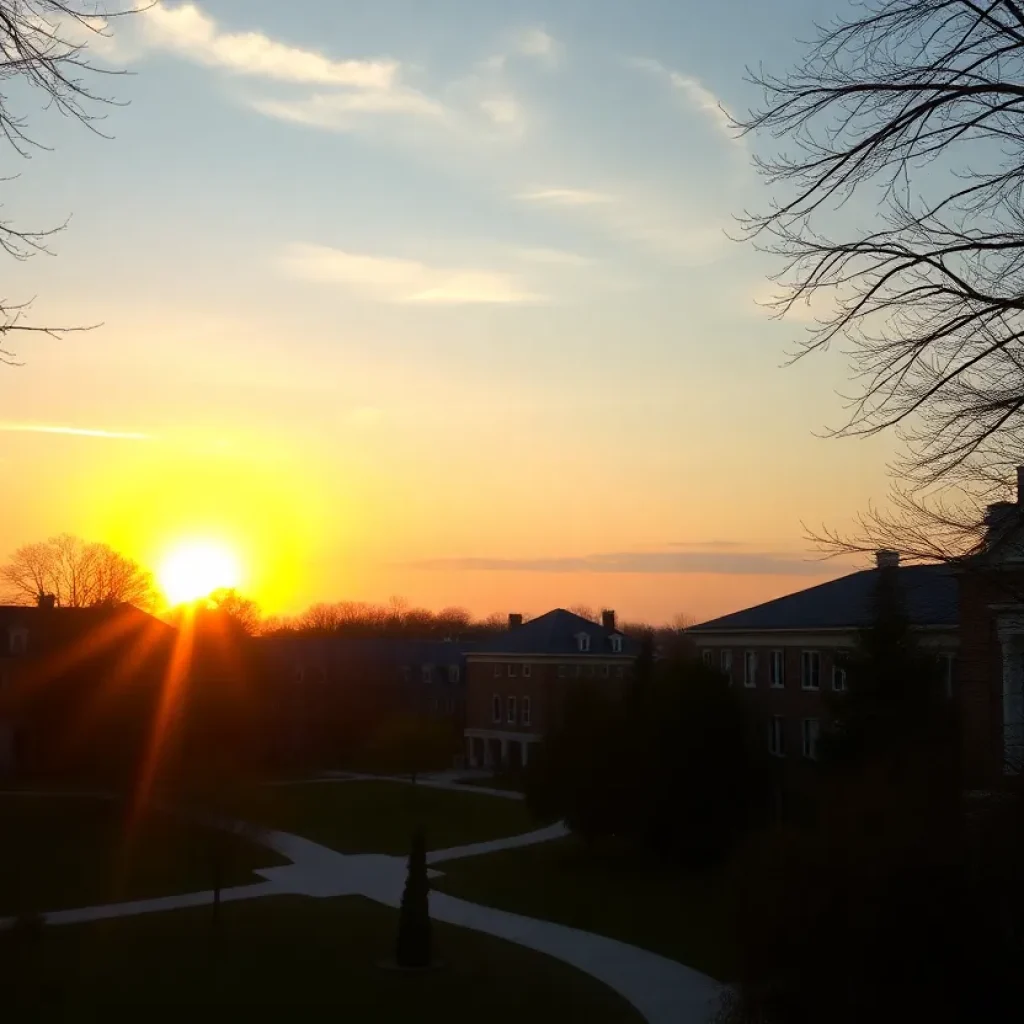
(451, 314)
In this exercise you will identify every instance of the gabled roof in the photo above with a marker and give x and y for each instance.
(555, 632)
(929, 596)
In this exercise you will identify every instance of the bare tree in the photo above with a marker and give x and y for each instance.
(77, 574)
(44, 50)
(915, 110)
(242, 610)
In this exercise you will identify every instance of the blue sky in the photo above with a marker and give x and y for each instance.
(443, 287)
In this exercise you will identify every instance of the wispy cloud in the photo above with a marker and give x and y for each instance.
(726, 563)
(39, 428)
(389, 279)
(188, 32)
(342, 110)
(536, 42)
(552, 257)
(566, 197)
(654, 223)
(695, 95)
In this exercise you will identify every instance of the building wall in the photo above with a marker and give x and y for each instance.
(549, 682)
(981, 669)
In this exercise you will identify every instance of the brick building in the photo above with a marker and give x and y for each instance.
(517, 681)
(782, 655)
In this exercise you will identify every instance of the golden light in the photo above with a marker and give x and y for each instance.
(195, 569)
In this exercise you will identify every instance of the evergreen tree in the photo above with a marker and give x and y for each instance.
(413, 949)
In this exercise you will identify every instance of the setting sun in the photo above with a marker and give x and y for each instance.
(195, 569)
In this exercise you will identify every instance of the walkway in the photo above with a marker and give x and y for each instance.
(664, 991)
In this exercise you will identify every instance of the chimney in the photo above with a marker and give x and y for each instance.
(514, 621)
(46, 601)
(608, 620)
(887, 559)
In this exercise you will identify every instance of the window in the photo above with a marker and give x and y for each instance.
(839, 672)
(527, 671)
(451, 705)
(621, 671)
(707, 656)
(777, 670)
(526, 711)
(454, 673)
(561, 671)
(726, 663)
(810, 730)
(496, 708)
(406, 673)
(435, 705)
(591, 671)
(427, 672)
(810, 670)
(606, 671)
(948, 672)
(579, 671)
(777, 736)
(18, 641)
(512, 671)
(511, 710)
(616, 644)
(583, 641)
(750, 668)
(497, 671)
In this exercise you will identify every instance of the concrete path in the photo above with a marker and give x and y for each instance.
(433, 780)
(664, 991)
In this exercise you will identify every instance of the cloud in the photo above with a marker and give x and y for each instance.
(535, 42)
(504, 111)
(695, 95)
(388, 279)
(720, 563)
(656, 224)
(342, 110)
(38, 428)
(566, 197)
(186, 31)
(552, 257)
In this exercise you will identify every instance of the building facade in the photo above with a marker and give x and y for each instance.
(784, 656)
(517, 682)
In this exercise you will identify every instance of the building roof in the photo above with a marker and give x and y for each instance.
(929, 595)
(555, 632)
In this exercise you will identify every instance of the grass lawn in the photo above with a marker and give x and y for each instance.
(379, 817)
(611, 892)
(294, 959)
(60, 852)
(507, 782)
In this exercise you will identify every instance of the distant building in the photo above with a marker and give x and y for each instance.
(783, 655)
(518, 680)
(80, 689)
(334, 692)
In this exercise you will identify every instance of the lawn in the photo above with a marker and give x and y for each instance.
(60, 852)
(292, 959)
(379, 817)
(609, 891)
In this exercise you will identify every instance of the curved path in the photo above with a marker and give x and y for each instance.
(664, 991)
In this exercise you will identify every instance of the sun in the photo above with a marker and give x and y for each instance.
(196, 568)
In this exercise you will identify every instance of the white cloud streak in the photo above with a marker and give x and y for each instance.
(536, 42)
(389, 279)
(185, 30)
(39, 428)
(695, 95)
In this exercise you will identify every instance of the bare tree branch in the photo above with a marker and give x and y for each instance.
(915, 107)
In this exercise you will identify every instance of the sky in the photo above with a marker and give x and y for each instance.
(433, 300)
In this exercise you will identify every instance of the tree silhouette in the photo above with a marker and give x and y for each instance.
(43, 52)
(920, 104)
(77, 573)
(413, 947)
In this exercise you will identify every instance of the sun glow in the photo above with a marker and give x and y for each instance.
(195, 569)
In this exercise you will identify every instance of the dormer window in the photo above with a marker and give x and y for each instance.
(583, 642)
(17, 640)
(616, 644)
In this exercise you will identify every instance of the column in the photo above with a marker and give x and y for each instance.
(470, 752)
(1013, 702)
(487, 754)
(504, 753)
(526, 752)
